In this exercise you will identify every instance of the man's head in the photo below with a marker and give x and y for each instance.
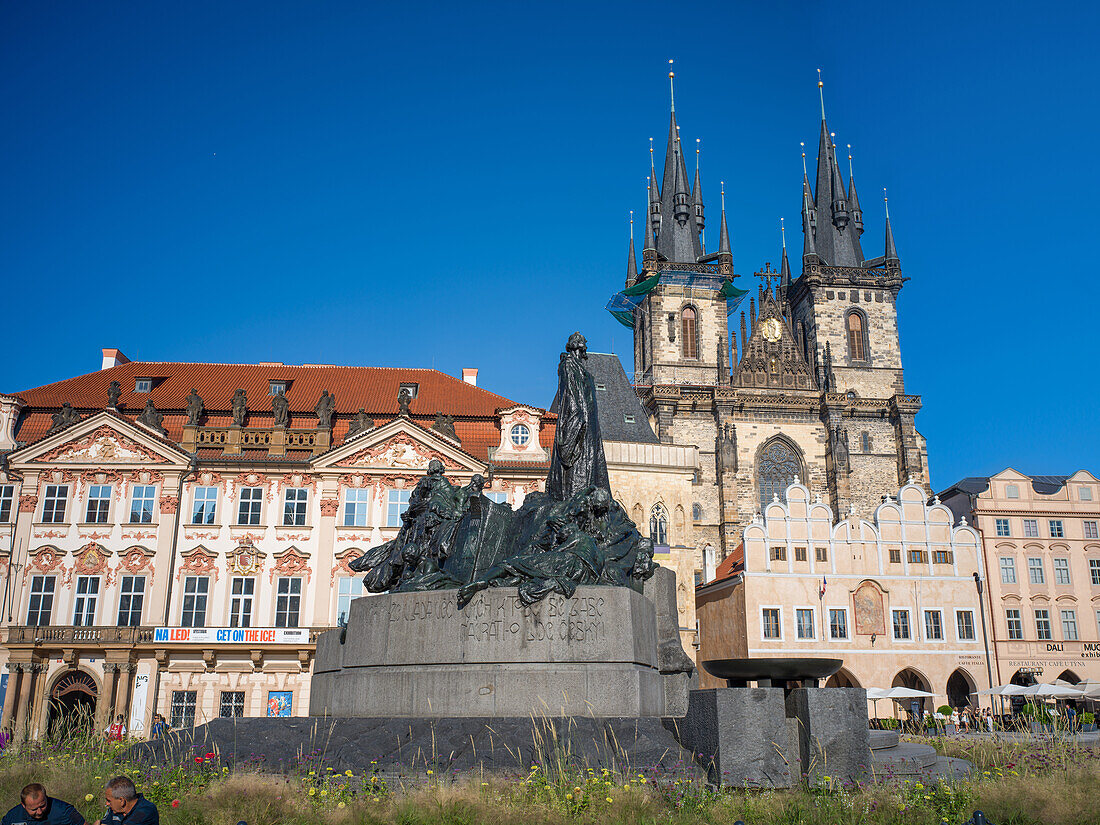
(477, 483)
(435, 467)
(578, 345)
(34, 800)
(120, 795)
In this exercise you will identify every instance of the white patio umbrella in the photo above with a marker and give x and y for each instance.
(874, 694)
(1003, 690)
(907, 693)
(1051, 691)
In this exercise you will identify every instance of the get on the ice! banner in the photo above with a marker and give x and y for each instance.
(233, 635)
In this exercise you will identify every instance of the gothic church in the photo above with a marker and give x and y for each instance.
(812, 388)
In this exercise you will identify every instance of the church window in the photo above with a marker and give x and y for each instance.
(689, 333)
(628, 419)
(697, 511)
(865, 441)
(778, 467)
(857, 349)
(658, 526)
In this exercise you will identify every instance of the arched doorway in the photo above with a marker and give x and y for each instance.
(908, 677)
(842, 679)
(72, 704)
(960, 689)
(1069, 676)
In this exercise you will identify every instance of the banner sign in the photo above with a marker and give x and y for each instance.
(137, 704)
(233, 635)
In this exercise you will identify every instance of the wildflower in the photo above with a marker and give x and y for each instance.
(324, 791)
(484, 784)
(375, 799)
(175, 803)
(569, 796)
(89, 797)
(313, 792)
(609, 799)
(210, 755)
(429, 771)
(341, 805)
(198, 760)
(313, 773)
(348, 773)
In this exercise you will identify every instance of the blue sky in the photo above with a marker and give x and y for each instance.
(448, 185)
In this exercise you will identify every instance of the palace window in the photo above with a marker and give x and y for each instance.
(821, 554)
(688, 331)
(1069, 625)
(195, 591)
(804, 622)
(1015, 624)
(838, 624)
(1035, 571)
(1031, 528)
(248, 509)
(397, 502)
(697, 512)
(350, 587)
(241, 592)
(1090, 528)
(1056, 529)
(895, 555)
(99, 504)
(658, 526)
(1042, 625)
(130, 600)
(800, 554)
(1084, 493)
(1002, 527)
(917, 557)
(7, 496)
(857, 349)
(941, 557)
(1012, 491)
(276, 388)
(498, 497)
(933, 626)
(779, 553)
(183, 708)
(964, 622)
(520, 435)
(41, 602)
(205, 505)
(294, 506)
(87, 595)
(356, 503)
(1094, 571)
(53, 508)
(288, 602)
(1061, 571)
(232, 704)
(777, 467)
(1008, 570)
(770, 625)
(142, 503)
(901, 624)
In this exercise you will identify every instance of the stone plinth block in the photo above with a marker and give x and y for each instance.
(833, 734)
(739, 735)
(417, 654)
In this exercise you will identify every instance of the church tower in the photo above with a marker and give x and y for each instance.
(809, 385)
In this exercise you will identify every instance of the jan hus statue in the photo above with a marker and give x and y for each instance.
(578, 460)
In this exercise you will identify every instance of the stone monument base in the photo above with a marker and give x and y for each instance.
(417, 655)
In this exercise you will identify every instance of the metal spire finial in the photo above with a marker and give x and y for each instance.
(850, 173)
(698, 145)
(723, 185)
(803, 145)
(783, 233)
(886, 203)
(632, 222)
(821, 93)
(671, 88)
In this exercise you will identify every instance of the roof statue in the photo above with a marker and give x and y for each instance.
(280, 410)
(113, 393)
(575, 533)
(240, 407)
(195, 407)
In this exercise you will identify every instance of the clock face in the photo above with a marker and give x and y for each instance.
(771, 329)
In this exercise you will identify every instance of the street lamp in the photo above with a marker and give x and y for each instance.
(985, 636)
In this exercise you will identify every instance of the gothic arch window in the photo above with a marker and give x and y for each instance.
(776, 467)
(658, 525)
(865, 441)
(856, 325)
(689, 332)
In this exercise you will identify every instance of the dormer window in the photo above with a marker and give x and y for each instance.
(143, 385)
(520, 435)
(411, 388)
(277, 387)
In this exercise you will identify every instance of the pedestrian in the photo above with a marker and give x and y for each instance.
(989, 719)
(125, 806)
(37, 806)
(160, 727)
(116, 730)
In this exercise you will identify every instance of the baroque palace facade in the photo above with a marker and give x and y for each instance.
(177, 534)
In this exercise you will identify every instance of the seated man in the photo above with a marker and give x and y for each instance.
(38, 807)
(125, 806)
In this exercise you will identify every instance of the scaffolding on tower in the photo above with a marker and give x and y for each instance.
(625, 304)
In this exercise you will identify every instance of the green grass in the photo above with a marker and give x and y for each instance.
(1015, 784)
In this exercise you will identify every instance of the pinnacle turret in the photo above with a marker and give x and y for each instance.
(678, 237)
(697, 200)
(631, 262)
(891, 255)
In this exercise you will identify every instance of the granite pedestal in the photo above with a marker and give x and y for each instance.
(833, 733)
(418, 655)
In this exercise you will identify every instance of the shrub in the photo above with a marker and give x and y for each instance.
(1088, 717)
(892, 724)
(946, 710)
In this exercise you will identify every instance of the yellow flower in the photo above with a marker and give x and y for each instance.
(348, 773)
(324, 792)
(919, 786)
(313, 773)
(313, 792)
(89, 797)
(375, 799)
(341, 805)
(484, 784)
(569, 796)
(430, 771)
(609, 799)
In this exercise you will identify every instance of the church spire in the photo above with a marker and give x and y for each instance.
(809, 251)
(649, 248)
(784, 265)
(631, 262)
(697, 200)
(891, 255)
(654, 200)
(723, 230)
(678, 239)
(853, 198)
(835, 241)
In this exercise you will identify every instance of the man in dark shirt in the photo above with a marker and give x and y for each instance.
(125, 806)
(38, 807)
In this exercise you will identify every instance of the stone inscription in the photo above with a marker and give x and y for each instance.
(575, 620)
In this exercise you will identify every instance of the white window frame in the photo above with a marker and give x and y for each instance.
(86, 601)
(60, 498)
(1004, 528)
(146, 495)
(1094, 572)
(519, 435)
(397, 502)
(197, 589)
(499, 496)
(928, 614)
(356, 506)
(1091, 528)
(1050, 625)
(908, 625)
(763, 623)
(1031, 528)
(100, 495)
(250, 500)
(847, 625)
(132, 593)
(1061, 567)
(44, 589)
(284, 597)
(1032, 569)
(1009, 568)
(206, 502)
(813, 623)
(973, 626)
(295, 506)
(348, 588)
(1070, 630)
(1012, 491)
(1084, 494)
(1057, 528)
(241, 604)
(7, 502)
(1019, 623)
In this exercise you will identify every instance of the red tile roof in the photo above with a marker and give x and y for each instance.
(731, 565)
(374, 389)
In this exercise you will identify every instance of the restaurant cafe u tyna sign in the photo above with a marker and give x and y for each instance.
(233, 635)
